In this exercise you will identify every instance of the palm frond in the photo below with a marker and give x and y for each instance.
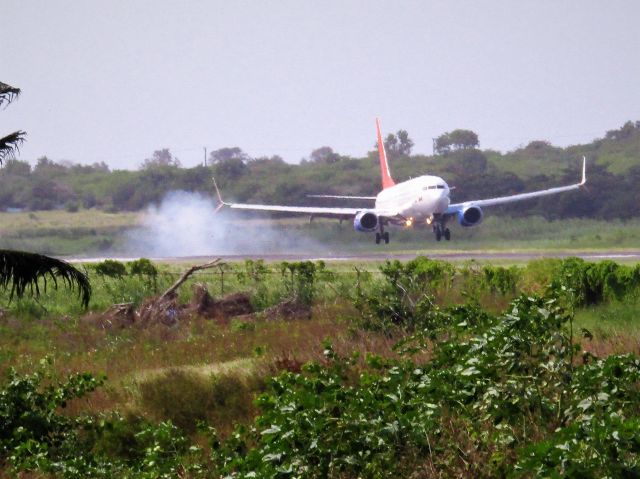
(10, 144)
(8, 93)
(24, 271)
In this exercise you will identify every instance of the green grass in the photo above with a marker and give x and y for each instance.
(94, 232)
(203, 370)
(612, 318)
(62, 233)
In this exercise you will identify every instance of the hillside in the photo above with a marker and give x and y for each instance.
(613, 170)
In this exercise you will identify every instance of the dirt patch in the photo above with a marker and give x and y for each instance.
(288, 310)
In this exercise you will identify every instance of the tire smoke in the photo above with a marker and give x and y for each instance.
(186, 224)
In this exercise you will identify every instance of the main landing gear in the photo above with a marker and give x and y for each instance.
(439, 230)
(382, 235)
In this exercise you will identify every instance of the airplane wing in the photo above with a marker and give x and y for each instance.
(330, 212)
(344, 197)
(454, 208)
(307, 210)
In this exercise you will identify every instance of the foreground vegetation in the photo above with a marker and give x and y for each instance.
(407, 370)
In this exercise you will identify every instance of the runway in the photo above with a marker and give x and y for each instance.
(515, 256)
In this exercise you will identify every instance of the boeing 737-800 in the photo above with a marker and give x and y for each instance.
(424, 199)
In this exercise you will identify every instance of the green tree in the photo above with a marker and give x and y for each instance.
(229, 153)
(16, 168)
(160, 158)
(324, 154)
(397, 145)
(230, 169)
(624, 132)
(456, 140)
(405, 144)
(391, 144)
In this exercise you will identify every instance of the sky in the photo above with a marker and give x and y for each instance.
(112, 81)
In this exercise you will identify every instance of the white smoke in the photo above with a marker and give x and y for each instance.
(186, 224)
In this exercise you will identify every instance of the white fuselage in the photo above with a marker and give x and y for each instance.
(418, 199)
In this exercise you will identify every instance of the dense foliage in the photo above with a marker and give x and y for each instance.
(467, 392)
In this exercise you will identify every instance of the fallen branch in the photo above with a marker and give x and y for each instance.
(170, 292)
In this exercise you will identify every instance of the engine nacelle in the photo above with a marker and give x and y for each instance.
(365, 221)
(470, 216)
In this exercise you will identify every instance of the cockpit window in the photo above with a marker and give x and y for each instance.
(440, 187)
(434, 187)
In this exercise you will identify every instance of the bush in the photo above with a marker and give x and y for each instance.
(71, 207)
(501, 280)
(144, 268)
(404, 296)
(110, 268)
(594, 283)
(491, 385)
(300, 279)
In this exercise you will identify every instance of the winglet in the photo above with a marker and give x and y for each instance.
(387, 181)
(221, 202)
(584, 171)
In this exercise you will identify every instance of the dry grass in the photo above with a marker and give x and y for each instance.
(194, 351)
(619, 343)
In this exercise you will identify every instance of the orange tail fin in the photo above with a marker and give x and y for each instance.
(387, 181)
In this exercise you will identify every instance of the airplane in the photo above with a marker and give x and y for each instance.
(424, 199)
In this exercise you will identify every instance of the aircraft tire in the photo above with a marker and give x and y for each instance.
(385, 235)
(447, 234)
(438, 234)
(377, 238)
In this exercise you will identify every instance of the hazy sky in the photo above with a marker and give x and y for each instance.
(114, 80)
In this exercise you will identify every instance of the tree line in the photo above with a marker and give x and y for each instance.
(613, 171)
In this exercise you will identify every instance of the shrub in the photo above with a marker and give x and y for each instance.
(300, 279)
(110, 268)
(144, 268)
(593, 283)
(33, 432)
(492, 384)
(71, 206)
(404, 296)
(501, 280)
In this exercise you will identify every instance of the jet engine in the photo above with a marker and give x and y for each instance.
(365, 221)
(470, 216)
